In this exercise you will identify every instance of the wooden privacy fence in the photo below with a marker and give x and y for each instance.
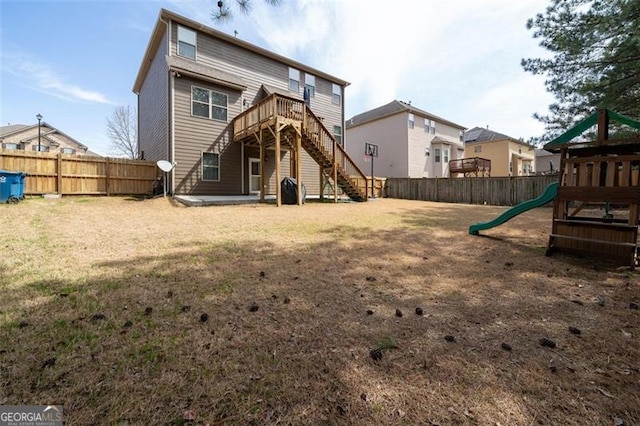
(497, 191)
(365, 185)
(79, 175)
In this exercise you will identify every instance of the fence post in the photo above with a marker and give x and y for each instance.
(107, 173)
(59, 174)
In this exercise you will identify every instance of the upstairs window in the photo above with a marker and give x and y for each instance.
(429, 126)
(294, 80)
(41, 148)
(461, 135)
(67, 150)
(186, 42)
(411, 121)
(336, 97)
(437, 155)
(210, 166)
(477, 148)
(310, 84)
(208, 104)
(337, 134)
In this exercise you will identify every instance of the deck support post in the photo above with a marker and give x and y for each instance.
(335, 174)
(262, 166)
(277, 155)
(298, 154)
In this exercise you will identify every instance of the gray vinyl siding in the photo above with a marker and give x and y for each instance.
(153, 108)
(195, 135)
(256, 70)
(310, 170)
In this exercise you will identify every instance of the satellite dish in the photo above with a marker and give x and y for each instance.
(164, 165)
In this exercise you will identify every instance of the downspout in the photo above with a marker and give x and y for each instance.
(172, 133)
(241, 153)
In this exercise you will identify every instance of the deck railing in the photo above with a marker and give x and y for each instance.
(320, 136)
(313, 130)
(468, 165)
(270, 107)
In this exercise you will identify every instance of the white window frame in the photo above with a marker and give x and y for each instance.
(429, 126)
(412, 121)
(461, 135)
(336, 94)
(294, 76)
(184, 32)
(210, 104)
(445, 155)
(310, 83)
(67, 150)
(213, 167)
(11, 146)
(436, 155)
(337, 134)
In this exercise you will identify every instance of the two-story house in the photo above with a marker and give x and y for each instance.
(509, 156)
(43, 138)
(235, 118)
(411, 142)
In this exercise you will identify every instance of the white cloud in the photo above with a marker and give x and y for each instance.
(440, 55)
(40, 77)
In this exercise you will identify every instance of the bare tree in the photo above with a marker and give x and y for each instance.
(122, 131)
(223, 12)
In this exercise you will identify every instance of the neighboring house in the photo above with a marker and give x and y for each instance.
(411, 142)
(213, 104)
(509, 156)
(547, 162)
(44, 139)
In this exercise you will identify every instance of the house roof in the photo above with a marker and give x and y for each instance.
(17, 128)
(445, 140)
(269, 90)
(160, 27)
(481, 134)
(203, 72)
(543, 153)
(12, 128)
(392, 108)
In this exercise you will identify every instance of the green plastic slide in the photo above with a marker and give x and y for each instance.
(548, 195)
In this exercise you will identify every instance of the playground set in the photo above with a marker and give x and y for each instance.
(596, 199)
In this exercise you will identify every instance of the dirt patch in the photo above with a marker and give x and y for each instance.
(147, 312)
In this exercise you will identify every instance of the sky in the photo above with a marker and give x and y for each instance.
(75, 61)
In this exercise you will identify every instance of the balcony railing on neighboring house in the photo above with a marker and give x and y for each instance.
(317, 141)
(474, 166)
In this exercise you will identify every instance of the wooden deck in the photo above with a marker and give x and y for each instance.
(288, 124)
(474, 166)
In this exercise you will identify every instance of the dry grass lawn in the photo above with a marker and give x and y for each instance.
(103, 304)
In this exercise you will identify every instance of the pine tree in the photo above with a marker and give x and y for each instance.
(595, 62)
(223, 12)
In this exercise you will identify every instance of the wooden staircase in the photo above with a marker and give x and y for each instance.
(316, 140)
(323, 148)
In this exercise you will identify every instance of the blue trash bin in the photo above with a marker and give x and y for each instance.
(11, 186)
